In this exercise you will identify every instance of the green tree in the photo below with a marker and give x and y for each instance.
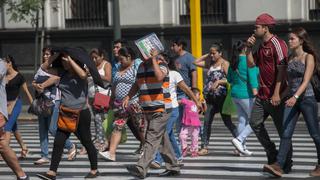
(28, 11)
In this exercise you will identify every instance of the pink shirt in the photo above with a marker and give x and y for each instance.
(190, 114)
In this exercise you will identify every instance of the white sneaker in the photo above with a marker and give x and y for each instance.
(247, 152)
(107, 156)
(238, 145)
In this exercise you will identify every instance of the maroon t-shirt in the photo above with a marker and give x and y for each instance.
(270, 54)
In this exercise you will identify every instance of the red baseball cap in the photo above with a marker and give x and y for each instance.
(265, 19)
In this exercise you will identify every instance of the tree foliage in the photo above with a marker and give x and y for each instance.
(22, 10)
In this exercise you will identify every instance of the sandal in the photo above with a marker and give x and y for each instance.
(24, 153)
(203, 152)
(83, 151)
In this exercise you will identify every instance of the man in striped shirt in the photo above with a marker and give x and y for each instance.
(152, 83)
(271, 58)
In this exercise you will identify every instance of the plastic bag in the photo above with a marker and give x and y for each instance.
(108, 127)
(228, 107)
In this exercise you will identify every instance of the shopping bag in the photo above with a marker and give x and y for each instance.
(108, 127)
(229, 107)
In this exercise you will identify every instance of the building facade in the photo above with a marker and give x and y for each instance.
(88, 23)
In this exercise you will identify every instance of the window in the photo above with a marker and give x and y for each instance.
(86, 13)
(212, 11)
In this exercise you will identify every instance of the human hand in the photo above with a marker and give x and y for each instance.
(251, 41)
(125, 102)
(291, 102)
(275, 100)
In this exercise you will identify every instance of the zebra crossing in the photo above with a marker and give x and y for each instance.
(221, 163)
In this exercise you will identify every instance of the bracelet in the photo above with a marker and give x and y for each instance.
(296, 96)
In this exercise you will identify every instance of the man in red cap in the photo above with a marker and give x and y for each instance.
(271, 58)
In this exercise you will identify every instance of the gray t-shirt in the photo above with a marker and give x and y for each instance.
(185, 67)
(3, 95)
(74, 91)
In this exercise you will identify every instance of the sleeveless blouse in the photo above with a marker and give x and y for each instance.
(295, 73)
(214, 74)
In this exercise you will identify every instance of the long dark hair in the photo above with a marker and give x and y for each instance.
(10, 59)
(126, 51)
(237, 47)
(307, 45)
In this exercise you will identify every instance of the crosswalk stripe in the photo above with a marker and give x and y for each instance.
(219, 164)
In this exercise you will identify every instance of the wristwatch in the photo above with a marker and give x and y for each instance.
(296, 96)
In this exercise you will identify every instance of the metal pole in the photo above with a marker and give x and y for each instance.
(42, 30)
(36, 53)
(116, 20)
(196, 37)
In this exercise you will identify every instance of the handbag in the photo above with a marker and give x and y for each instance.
(41, 106)
(101, 100)
(68, 119)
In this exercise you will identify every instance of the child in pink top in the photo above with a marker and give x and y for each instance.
(190, 125)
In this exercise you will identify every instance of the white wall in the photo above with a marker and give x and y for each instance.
(147, 12)
(248, 10)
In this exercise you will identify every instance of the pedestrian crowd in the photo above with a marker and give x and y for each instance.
(157, 98)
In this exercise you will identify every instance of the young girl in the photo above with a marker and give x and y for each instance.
(190, 125)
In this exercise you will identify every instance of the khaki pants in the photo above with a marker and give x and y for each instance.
(157, 139)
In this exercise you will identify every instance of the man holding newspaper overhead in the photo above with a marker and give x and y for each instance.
(152, 82)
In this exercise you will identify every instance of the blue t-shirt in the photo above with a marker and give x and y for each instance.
(241, 87)
(185, 67)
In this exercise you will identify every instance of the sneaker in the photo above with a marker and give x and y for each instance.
(238, 145)
(107, 156)
(46, 176)
(247, 153)
(23, 178)
(273, 169)
(72, 153)
(316, 171)
(203, 152)
(42, 161)
(185, 152)
(83, 151)
(134, 171)
(155, 165)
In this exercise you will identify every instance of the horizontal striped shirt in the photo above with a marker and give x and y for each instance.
(154, 95)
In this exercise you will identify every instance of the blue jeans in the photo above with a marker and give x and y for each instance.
(49, 124)
(175, 145)
(244, 107)
(11, 125)
(309, 109)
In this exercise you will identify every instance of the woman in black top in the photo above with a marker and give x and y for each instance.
(74, 95)
(14, 82)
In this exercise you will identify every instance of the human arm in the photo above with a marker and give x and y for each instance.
(183, 86)
(250, 43)
(77, 69)
(310, 65)
(201, 62)
(107, 69)
(222, 82)
(134, 90)
(253, 79)
(26, 90)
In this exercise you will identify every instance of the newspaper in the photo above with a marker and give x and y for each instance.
(146, 43)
